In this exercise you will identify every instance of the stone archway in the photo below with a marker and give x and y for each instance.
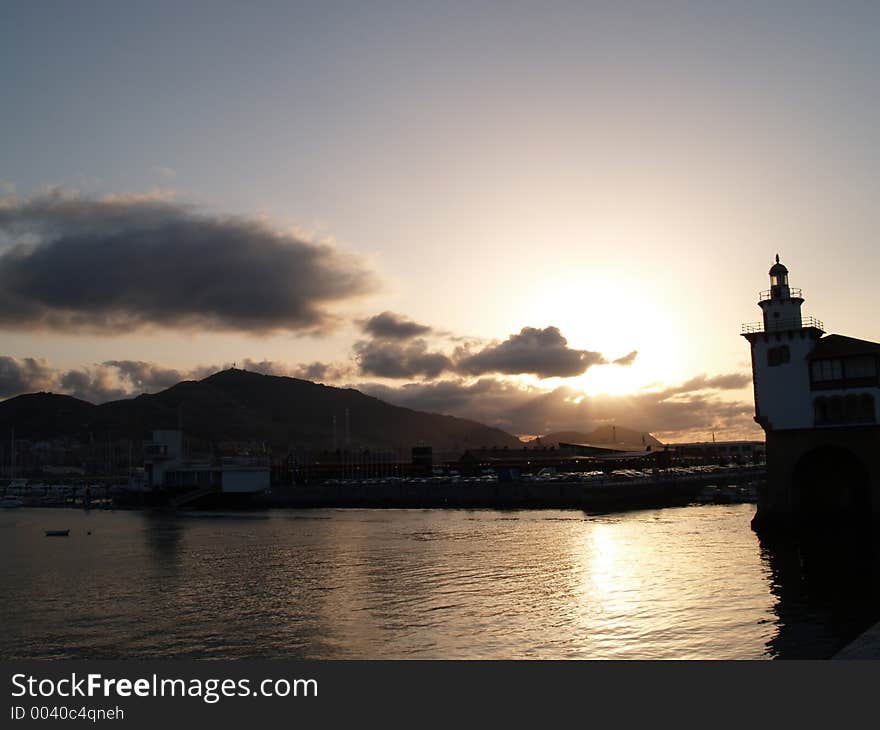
(831, 481)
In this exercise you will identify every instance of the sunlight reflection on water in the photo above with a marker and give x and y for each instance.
(674, 583)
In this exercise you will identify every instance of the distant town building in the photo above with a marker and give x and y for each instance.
(423, 458)
(746, 452)
(816, 398)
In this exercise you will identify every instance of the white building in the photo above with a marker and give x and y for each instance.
(816, 397)
(166, 467)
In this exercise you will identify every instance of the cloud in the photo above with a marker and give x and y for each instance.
(122, 263)
(386, 359)
(488, 400)
(323, 372)
(682, 411)
(315, 371)
(145, 377)
(115, 379)
(542, 352)
(626, 360)
(24, 375)
(391, 326)
(95, 385)
(728, 381)
(392, 352)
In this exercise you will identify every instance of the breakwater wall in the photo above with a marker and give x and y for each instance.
(600, 496)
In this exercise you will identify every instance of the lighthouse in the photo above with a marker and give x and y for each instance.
(816, 397)
(780, 344)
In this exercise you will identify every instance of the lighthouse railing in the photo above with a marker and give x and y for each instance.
(781, 325)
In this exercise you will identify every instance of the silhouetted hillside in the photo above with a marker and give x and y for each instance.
(235, 405)
(39, 415)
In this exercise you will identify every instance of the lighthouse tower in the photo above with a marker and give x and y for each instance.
(780, 345)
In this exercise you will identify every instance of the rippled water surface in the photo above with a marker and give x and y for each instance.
(691, 582)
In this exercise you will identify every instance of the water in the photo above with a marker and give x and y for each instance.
(690, 582)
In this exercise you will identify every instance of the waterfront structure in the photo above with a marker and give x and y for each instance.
(423, 458)
(189, 479)
(816, 397)
(582, 449)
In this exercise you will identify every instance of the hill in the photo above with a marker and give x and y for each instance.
(241, 406)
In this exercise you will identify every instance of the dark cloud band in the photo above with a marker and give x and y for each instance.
(117, 264)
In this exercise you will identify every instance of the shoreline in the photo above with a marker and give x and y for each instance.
(600, 495)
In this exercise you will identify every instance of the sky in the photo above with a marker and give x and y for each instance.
(541, 215)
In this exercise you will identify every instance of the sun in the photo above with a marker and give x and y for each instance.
(609, 380)
(601, 316)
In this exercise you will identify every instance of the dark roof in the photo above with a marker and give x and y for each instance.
(840, 346)
(777, 269)
(597, 448)
(603, 448)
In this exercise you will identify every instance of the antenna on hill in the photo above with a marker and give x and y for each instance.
(347, 431)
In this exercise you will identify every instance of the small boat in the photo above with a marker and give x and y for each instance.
(57, 533)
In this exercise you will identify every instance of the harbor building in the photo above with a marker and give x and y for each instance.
(205, 480)
(712, 452)
(816, 397)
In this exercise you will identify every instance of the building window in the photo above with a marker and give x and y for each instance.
(860, 367)
(778, 356)
(852, 372)
(838, 409)
(826, 370)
